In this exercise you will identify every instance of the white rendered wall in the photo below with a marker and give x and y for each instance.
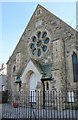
(3, 83)
(3, 71)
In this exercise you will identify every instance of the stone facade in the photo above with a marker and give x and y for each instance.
(63, 41)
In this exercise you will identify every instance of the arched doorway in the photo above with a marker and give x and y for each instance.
(31, 78)
(33, 81)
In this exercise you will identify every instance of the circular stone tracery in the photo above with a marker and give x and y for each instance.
(39, 43)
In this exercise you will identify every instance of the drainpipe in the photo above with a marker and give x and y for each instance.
(65, 68)
(43, 94)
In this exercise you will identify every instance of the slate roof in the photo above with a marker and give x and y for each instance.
(47, 74)
(45, 70)
(18, 79)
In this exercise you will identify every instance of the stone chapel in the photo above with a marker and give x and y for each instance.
(46, 56)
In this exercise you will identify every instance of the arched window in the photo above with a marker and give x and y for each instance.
(14, 68)
(75, 66)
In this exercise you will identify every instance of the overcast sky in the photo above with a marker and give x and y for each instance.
(16, 15)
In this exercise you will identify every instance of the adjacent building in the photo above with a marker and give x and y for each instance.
(3, 83)
(3, 78)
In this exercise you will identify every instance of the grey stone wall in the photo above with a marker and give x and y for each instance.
(59, 30)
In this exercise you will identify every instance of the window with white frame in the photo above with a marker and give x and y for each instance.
(3, 88)
(70, 96)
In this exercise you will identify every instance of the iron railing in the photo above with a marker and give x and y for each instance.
(48, 105)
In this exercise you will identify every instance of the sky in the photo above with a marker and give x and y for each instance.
(16, 15)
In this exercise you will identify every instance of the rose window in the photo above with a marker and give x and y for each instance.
(39, 43)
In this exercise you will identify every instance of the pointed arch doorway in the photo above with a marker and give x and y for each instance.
(31, 77)
(33, 82)
(32, 87)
